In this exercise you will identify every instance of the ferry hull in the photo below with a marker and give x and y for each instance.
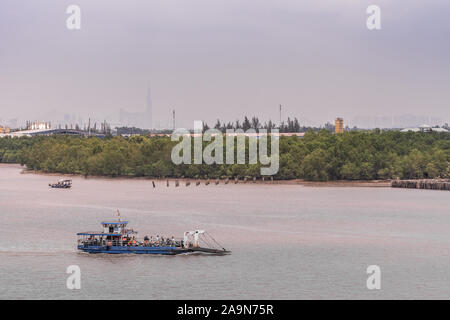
(136, 250)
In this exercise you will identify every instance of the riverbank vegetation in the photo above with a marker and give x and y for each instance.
(318, 156)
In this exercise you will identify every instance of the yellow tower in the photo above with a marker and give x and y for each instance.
(339, 125)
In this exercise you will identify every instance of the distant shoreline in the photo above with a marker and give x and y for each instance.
(336, 183)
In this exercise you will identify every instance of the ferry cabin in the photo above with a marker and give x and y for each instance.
(116, 238)
(113, 234)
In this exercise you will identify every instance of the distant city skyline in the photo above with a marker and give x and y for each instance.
(226, 60)
(133, 120)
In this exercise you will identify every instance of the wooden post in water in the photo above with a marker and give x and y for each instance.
(177, 184)
(254, 179)
(188, 183)
(245, 179)
(226, 181)
(167, 182)
(217, 182)
(236, 180)
(197, 183)
(207, 182)
(429, 184)
(153, 182)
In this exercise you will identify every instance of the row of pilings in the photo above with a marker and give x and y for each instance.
(207, 182)
(430, 184)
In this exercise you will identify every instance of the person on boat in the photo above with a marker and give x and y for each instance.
(173, 241)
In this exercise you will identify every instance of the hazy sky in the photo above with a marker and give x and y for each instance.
(225, 58)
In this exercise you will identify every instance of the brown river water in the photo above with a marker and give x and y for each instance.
(287, 241)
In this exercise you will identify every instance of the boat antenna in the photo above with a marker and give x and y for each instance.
(118, 214)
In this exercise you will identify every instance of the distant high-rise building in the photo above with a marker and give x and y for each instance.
(339, 125)
(149, 108)
(138, 119)
(148, 113)
(280, 116)
(173, 119)
(13, 123)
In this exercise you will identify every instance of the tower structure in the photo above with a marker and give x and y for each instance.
(149, 110)
(339, 125)
(173, 119)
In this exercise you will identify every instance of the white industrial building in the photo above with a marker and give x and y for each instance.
(425, 128)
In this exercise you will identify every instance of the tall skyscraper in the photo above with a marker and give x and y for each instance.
(138, 119)
(173, 119)
(148, 112)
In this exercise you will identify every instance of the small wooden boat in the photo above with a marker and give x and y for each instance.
(62, 184)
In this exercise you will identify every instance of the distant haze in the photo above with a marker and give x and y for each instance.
(210, 59)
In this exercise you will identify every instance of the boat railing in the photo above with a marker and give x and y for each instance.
(131, 243)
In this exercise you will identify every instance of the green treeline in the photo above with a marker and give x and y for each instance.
(11, 149)
(318, 156)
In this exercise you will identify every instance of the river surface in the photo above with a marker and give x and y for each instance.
(287, 241)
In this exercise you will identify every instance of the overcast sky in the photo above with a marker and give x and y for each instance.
(224, 59)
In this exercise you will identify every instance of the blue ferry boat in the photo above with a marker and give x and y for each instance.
(116, 238)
